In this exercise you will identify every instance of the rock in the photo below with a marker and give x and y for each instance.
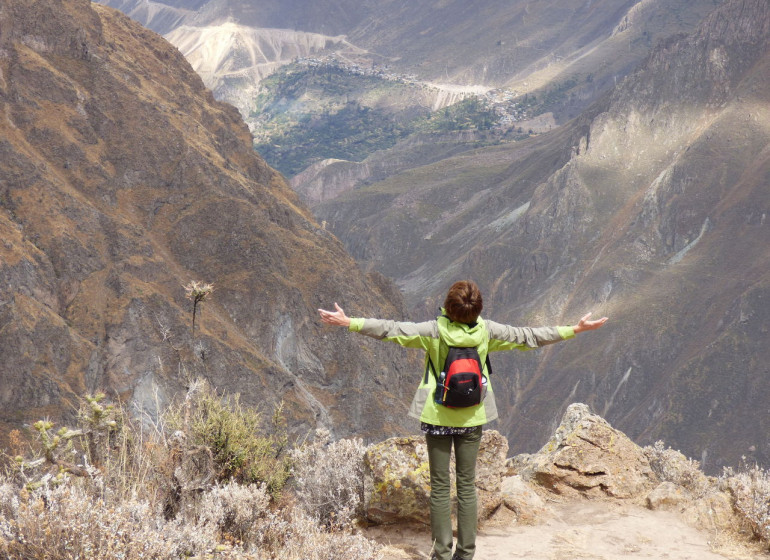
(397, 478)
(673, 466)
(668, 496)
(517, 464)
(588, 456)
(397, 481)
(490, 467)
(521, 498)
(713, 511)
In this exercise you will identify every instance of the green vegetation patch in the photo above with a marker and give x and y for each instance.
(351, 133)
(307, 113)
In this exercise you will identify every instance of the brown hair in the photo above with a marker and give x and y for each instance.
(463, 303)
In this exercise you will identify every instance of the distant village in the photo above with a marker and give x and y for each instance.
(503, 102)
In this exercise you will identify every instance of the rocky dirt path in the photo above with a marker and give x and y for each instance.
(584, 530)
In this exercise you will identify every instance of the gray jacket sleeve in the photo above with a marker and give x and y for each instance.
(506, 337)
(411, 335)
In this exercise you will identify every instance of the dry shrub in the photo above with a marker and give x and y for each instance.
(235, 510)
(297, 536)
(107, 445)
(749, 487)
(329, 478)
(9, 500)
(112, 504)
(124, 455)
(670, 465)
(17, 443)
(69, 521)
(750, 491)
(234, 521)
(243, 518)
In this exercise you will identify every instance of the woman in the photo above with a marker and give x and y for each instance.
(460, 325)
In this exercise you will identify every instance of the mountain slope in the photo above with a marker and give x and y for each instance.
(122, 180)
(650, 208)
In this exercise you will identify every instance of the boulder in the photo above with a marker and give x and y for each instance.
(520, 497)
(673, 466)
(397, 478)
(669, 496)
(713, 512)
(588, 456)
(490, 468)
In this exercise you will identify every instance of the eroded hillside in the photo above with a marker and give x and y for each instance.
(650, 208)
(121, 180)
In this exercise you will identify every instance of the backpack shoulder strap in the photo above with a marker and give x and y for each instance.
(428, 368)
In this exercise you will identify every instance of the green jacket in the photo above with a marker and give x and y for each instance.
(486, 336)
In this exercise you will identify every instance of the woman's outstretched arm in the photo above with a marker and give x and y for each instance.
(405, 333)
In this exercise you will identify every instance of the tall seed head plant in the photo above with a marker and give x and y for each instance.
(197, 292)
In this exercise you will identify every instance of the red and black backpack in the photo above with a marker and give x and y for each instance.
(462, 382)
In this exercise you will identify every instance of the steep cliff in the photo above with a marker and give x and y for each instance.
(651, 208)
(121, 180)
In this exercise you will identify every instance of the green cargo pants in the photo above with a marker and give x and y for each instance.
(466, 451)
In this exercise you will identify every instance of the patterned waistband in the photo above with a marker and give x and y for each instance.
(433, 430)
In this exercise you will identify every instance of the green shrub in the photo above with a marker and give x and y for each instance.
(243, 448)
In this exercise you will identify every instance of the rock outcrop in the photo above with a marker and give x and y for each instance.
(587, 466)
(589, 459)
(520, 497)
(586, 455)
(586, 459)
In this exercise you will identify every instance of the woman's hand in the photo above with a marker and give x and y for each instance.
(337, 318)
(585, 325)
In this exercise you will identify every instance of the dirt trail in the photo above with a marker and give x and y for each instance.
(583, 531)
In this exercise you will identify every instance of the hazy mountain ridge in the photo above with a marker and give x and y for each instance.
(707, 205)
(122, 179)
(161, 16)
(528, 47)
(232, 59)
(550, 60)
(631, 211)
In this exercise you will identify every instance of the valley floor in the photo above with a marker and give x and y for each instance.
(590, 530)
